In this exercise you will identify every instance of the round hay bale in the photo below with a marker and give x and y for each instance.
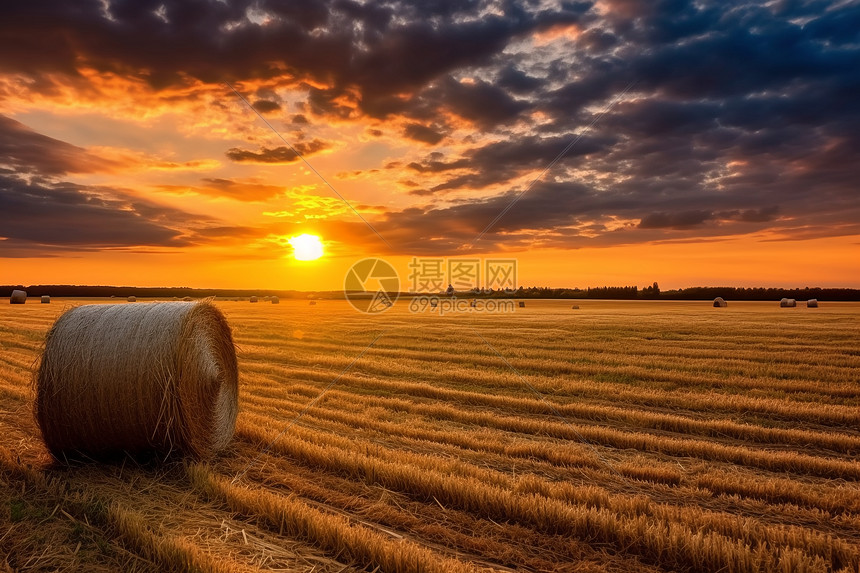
(812, 303)
(787, 303)
(46, 299)
(575, 307)
(18, 297)
(154, 377)
(132, 298)
(276, 300)
(720, 302)
(253, 299)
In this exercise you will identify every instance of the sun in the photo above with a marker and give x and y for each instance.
(306, 247)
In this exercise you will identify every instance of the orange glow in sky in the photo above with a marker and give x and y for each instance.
(576, 144)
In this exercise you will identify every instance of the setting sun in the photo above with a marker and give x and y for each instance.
(306, 247)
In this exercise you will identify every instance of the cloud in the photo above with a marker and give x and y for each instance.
(43, 216)
(266, 106)
(501, 162)
(741, 117)
(681, 220)
(422, 133)
(282, 154)
(480, 102)
(28, 151)
(220, 188)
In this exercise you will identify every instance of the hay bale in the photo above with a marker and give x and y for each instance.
(132, 298)
(720, 302)
(522, 304)
(18, 297)
(812, 303)
(575, 307)
(276, 300)
(253, 299)
(46, 299)
(787, 303)
(151, 377)
(312, 303)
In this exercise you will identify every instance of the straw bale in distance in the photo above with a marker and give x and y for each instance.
(132, 298)
(151, 377)
(812, 303)
(46, 299)
(720, 302)
(253, 299)
(18, 297)
(787, 303)
(275, 300)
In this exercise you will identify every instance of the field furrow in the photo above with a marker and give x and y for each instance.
(638, 437)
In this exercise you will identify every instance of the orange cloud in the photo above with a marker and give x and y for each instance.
(227, 189)
(278, 155)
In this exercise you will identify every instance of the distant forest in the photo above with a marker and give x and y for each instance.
(75, 291)
(651, 292)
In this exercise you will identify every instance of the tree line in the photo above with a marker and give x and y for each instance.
(651, 292)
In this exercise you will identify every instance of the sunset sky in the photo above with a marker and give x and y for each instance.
(707, 143)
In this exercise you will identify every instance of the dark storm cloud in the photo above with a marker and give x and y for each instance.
(517, 81)
(576, 215)
(422, 133)
(282, 154)
(265, 106)
(41, 218)
(47, 215)
(383, 50)
(743, 116)
(501, 161)
(28, 151)
(677, 220)
(482, 103)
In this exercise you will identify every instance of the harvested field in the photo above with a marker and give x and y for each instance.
(624, 437)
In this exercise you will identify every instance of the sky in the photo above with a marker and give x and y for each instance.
(614, 142)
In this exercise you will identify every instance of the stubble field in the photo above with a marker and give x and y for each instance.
(622, 436)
